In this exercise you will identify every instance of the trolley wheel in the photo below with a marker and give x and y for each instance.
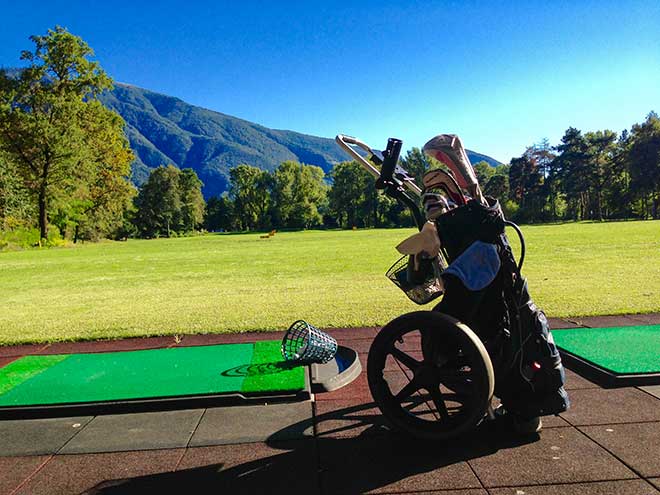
(430, 375)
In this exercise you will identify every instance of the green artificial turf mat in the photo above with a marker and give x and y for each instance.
(22, 370)
(268, 369)
(622, 350)
(117, 376)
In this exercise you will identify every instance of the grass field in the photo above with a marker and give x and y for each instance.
(234, 283)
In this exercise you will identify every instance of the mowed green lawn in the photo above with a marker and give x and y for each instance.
(237, 283)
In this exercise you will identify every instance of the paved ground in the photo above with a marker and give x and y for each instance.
(608, 443)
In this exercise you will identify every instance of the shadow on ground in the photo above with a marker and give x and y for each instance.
(375, 458)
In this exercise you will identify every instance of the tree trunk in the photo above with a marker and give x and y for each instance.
(43, 219)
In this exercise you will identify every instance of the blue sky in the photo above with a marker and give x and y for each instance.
(501, 75)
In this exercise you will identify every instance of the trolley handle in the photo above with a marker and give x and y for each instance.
(388, 170)
(390, 159)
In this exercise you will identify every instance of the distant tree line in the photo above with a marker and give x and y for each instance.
(589, 176)
(300, 196)
(592, 176)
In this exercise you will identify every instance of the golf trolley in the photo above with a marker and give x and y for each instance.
(434, 374)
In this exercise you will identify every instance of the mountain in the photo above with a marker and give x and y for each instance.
(480, 157)
(163, 129)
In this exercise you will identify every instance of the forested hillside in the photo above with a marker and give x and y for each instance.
(166, 130)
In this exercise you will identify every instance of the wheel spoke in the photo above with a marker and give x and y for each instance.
(410, 388)
(439, 402)
(444, 373)
(407, 360)
(456, 380)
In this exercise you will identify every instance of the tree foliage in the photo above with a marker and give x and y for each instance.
(68, 151)
(250, 190)
(591, 176)
(169, 203)
(299, 194)
(644, 164)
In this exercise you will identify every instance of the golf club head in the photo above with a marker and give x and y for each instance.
(448, 149)
(439, 179)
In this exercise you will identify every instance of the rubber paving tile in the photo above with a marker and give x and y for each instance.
(7, 360)
(390, 463)
(561, 455)
(140, 431)
(602, 407)
(108, 345)
(554, 422)
(347, 334)
(15, 470)
(653, 390)
(561, 323)
(357, 389)
(38, 436)
(390, 364)
(627, 487)
(362, 346)
(604, 321)
(289, 468)
(576, 382)
(344, 419)
(649, 319)
(227, 338)
(357, 396)
(21, 350)
(636, 444)
(241, 424)
(472, 491)
(69, 474)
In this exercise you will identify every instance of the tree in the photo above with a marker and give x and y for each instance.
(15, 205)
(644, 163)
(525, 183)
(570, 167)
(497, 187)
(352, 198)
(601, 149)
(159, 203)
(192, 200)
(484, 172)
(299, 195)
(45, 130)
(416, 164)
(219, 214)
(169, 202)
(101, 184)
(546, 191)
(618, 196)
(250, 189)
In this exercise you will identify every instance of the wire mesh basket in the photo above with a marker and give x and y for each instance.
(421, 286)
(305, 343)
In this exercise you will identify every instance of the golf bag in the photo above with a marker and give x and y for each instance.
(528, 370)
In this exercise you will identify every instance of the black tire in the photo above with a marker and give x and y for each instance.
(430, 375)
